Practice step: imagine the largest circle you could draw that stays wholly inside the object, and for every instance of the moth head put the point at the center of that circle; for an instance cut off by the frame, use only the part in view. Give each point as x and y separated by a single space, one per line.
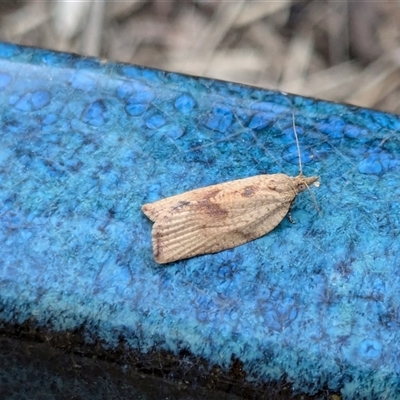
301 183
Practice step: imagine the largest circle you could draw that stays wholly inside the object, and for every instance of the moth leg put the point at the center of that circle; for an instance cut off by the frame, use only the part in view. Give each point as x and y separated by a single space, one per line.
289 214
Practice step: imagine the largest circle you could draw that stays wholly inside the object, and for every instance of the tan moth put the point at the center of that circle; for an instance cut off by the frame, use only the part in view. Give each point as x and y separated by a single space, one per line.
222 216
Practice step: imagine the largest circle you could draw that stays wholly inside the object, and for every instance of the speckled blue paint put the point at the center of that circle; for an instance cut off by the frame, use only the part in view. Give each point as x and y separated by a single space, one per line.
220 119
185 103
31 101
261 120
84 144
83 82
5 79
8 50
95 113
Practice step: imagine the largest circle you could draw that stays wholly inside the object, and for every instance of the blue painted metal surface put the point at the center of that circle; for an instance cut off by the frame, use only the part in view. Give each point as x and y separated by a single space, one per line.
85 143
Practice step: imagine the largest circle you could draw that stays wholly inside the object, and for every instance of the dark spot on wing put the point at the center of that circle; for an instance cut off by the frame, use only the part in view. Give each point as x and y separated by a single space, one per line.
249 191
180 205
210 207
157 248
157 244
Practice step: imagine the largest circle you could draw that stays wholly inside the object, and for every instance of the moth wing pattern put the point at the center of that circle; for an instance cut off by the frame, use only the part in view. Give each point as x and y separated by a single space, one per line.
218 217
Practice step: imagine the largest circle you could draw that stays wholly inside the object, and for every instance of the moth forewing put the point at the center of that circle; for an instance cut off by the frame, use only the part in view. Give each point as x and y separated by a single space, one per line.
219 217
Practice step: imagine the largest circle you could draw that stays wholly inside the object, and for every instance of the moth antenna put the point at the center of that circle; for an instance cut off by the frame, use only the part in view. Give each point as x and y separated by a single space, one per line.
301 167
314 200
297 144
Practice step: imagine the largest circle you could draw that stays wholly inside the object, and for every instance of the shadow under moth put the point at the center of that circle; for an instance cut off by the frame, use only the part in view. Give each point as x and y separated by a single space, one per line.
222 216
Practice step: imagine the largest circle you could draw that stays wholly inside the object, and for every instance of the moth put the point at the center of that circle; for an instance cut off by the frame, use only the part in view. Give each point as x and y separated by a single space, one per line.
222 216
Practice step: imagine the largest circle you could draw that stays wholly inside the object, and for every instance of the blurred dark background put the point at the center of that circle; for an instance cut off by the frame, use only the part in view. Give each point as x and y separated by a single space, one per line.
347 51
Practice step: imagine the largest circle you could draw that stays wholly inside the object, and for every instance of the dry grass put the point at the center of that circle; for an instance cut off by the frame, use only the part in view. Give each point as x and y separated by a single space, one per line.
347 51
